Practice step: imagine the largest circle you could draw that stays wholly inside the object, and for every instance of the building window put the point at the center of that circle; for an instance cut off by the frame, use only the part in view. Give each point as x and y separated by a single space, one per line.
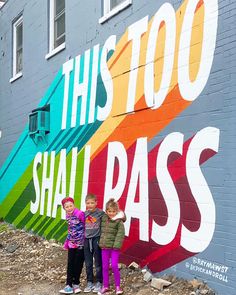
56 26
112 7
17 48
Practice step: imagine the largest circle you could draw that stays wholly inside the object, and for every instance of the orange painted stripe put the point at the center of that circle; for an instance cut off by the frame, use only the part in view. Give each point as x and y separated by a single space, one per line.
127 128
119 55
133 127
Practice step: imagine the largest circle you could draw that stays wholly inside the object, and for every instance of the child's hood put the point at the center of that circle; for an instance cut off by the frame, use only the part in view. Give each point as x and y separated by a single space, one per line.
120 215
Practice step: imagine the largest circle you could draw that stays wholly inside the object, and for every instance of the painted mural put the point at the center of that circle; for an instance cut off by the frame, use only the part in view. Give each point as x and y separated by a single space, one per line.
108 109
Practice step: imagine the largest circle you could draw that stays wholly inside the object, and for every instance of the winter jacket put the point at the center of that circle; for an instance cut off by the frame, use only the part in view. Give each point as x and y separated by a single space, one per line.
112 232
76 229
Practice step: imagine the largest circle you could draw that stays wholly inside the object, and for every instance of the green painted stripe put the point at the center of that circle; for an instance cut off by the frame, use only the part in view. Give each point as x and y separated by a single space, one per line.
62 238
61 231
62 228
35 221
55 228
46 225
38 225
25 220
21 215
17 191
21 203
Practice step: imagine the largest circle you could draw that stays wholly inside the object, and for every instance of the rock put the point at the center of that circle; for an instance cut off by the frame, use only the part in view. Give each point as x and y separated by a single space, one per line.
147 276
55 245
39 268
203 291
195 283
143 292
171 278
63 279
144 270
52 241
133 265
137 285
12 248
159 283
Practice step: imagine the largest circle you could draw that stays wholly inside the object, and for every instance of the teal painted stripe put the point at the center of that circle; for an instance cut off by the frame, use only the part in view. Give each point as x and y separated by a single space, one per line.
14 166
20 203
82 140
13 153
68 137
57 138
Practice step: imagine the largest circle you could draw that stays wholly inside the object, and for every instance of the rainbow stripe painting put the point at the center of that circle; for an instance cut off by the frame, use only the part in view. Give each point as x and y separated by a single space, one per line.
113 132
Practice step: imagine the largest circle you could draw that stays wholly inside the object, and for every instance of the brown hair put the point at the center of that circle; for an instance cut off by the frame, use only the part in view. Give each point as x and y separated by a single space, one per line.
112 204
90 197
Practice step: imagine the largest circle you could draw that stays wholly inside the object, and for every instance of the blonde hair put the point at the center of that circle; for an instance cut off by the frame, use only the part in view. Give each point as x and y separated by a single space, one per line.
90 197
112 204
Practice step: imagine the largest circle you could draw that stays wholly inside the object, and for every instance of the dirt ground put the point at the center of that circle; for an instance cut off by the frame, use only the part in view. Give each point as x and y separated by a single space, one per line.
30 265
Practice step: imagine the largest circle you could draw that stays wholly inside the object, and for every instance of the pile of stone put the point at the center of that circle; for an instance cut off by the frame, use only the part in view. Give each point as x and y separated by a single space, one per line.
35 266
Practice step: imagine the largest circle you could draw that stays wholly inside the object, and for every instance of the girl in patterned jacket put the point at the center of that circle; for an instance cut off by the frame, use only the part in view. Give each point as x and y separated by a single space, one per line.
75 245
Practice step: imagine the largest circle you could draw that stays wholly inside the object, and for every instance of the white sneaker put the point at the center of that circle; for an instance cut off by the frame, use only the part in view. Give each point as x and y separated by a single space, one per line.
76 289
67 290
89 287
97 287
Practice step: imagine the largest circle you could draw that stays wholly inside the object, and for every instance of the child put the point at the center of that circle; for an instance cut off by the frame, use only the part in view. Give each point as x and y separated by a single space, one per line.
75 245
112 236
93 217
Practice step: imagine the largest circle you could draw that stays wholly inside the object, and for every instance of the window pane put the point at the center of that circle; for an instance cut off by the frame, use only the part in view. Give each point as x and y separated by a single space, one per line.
59 6
114 3
60 41
19 36
59 23
19 60
60 30
60 26
19 48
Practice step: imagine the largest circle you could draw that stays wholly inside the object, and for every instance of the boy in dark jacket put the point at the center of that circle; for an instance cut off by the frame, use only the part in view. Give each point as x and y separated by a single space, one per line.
93 217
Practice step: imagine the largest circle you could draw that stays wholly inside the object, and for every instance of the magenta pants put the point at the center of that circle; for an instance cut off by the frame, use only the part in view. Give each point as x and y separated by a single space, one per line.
112 254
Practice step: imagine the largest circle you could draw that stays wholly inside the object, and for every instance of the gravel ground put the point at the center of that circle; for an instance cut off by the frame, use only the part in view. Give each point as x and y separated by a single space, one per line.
30 265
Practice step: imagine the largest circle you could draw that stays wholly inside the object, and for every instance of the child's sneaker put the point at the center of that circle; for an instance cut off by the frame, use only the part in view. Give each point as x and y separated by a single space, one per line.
119 291
103 290
76 289
97 287
67 290
89 287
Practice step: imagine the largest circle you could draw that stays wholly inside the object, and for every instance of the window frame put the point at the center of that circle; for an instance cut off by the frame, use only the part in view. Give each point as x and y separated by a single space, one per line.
108 12
52 50
16 74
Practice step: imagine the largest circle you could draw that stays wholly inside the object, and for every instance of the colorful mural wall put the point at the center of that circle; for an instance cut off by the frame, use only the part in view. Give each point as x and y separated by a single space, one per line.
109 110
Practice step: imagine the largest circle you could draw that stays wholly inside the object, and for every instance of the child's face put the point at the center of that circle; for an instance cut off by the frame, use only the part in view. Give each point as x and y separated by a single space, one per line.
91 204
69 207
111 212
